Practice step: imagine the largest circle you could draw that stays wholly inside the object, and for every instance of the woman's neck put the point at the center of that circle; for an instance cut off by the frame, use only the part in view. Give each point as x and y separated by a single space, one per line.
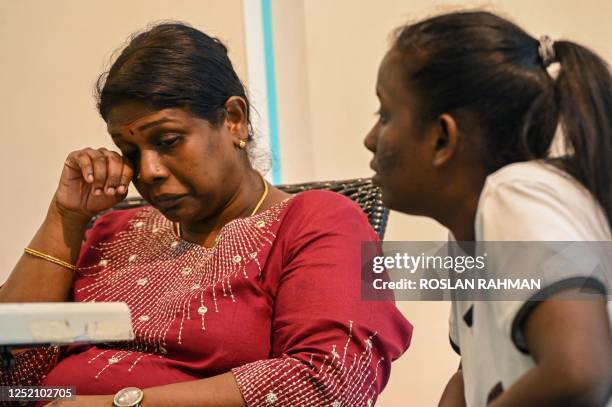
240 205
460 220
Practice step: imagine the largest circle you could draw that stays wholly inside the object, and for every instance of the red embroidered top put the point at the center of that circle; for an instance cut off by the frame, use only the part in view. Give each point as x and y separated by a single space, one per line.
276 301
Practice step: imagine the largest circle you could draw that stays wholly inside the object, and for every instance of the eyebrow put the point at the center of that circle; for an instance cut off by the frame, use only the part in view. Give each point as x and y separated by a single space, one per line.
147 125
154 123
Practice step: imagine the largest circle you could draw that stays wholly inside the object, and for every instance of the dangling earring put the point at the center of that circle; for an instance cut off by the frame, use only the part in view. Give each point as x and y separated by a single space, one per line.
242 144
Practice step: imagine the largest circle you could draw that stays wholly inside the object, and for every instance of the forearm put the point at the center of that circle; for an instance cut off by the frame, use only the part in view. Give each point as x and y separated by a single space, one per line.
217 391
34 279
542 387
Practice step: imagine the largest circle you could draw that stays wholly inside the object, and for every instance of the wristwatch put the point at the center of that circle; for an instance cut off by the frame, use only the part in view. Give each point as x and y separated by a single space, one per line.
128 397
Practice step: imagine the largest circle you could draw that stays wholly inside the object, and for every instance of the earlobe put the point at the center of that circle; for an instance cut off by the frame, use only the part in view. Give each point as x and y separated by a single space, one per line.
447 140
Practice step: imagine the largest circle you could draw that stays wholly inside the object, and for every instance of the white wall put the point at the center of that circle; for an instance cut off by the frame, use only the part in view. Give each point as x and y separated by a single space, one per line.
296 142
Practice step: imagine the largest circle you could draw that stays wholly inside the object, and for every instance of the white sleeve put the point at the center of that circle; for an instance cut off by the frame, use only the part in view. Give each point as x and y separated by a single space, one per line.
534 211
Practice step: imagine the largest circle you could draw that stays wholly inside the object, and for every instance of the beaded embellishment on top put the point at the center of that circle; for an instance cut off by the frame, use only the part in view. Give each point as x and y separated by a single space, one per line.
338 379
163 278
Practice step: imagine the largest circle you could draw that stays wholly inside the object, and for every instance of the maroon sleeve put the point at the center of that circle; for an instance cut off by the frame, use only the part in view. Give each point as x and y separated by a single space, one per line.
328 346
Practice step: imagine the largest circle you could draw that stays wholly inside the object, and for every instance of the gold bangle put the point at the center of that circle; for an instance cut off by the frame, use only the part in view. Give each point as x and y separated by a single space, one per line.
52 259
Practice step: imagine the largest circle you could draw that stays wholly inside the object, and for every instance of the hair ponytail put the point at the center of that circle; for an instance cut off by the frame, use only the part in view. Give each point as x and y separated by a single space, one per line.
583 91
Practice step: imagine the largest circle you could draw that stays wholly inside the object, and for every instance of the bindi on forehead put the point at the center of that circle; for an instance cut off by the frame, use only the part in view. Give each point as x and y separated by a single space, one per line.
140 122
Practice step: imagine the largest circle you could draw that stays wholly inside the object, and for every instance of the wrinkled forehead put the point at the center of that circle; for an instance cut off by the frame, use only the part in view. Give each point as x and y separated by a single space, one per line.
133 117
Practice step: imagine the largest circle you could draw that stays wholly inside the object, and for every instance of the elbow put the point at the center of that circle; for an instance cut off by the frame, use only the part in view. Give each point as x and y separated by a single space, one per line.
586 386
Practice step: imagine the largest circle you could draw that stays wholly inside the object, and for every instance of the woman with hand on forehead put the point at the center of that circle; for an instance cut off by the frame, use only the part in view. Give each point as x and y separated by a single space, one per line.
468 112
239 293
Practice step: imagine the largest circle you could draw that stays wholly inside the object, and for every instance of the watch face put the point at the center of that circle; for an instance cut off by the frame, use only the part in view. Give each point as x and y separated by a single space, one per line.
127 397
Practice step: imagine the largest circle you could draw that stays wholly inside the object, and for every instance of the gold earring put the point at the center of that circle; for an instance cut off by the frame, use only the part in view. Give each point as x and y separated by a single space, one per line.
242 145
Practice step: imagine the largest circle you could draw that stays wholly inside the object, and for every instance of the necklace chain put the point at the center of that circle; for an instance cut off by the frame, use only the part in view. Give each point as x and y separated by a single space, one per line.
177 225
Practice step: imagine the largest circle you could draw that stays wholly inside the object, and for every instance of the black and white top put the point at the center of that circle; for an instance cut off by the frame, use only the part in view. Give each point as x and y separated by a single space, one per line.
528 201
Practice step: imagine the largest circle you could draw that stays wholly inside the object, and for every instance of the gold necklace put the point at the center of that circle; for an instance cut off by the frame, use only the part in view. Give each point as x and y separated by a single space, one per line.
177 225
263 195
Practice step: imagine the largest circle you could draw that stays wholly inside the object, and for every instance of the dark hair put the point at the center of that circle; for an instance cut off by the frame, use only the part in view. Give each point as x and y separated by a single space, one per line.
485 68
172 65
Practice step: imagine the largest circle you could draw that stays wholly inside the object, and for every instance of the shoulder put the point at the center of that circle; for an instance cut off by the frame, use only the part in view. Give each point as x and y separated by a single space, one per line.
113 221
318 199
325 211
536 201
534 172
321 205
106 227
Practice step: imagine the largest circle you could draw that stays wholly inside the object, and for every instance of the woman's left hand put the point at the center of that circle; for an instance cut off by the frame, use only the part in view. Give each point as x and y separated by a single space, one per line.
84 401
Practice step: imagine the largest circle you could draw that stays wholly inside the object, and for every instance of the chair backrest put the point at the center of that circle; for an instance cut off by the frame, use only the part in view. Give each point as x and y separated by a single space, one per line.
359 190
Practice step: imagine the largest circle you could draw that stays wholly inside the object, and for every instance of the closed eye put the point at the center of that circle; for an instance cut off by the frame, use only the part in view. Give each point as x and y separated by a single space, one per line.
130 155
131 158
169 141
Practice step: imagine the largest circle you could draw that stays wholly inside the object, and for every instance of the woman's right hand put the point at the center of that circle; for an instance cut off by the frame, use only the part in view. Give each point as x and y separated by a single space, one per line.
92 181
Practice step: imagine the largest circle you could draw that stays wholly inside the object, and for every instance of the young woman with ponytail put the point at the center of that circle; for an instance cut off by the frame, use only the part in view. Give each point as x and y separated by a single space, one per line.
470 110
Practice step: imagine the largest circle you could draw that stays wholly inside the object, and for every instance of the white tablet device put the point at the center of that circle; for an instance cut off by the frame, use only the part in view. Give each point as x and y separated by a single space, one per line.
61 323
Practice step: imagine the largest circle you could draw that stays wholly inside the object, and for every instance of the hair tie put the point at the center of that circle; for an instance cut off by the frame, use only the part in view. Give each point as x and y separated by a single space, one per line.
546 50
